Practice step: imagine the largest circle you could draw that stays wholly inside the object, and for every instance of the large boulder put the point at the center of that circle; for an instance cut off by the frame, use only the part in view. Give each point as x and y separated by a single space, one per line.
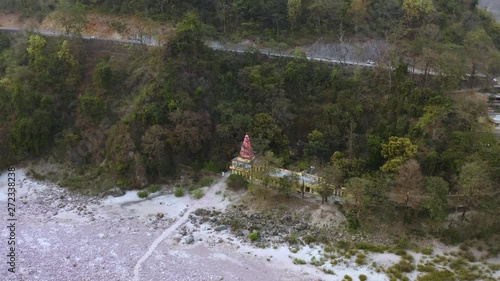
115 192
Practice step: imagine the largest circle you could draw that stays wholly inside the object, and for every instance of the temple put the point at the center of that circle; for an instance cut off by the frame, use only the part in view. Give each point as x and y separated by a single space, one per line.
245 162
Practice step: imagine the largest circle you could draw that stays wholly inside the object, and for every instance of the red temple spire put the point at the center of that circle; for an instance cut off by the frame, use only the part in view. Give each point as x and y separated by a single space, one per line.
246 148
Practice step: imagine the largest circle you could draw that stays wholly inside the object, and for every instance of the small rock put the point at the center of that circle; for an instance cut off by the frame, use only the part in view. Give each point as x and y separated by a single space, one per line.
220 228
189 239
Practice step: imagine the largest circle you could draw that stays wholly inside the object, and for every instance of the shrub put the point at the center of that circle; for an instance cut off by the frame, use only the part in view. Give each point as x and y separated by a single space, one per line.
308 239
143 194
328 249
211 167
253 236
370 247
404 266
198 193
206 181
299 261
444 275
347 278
194 187
362 277
427 250
328 271
179 191
292 238
154 188
360 259
235 181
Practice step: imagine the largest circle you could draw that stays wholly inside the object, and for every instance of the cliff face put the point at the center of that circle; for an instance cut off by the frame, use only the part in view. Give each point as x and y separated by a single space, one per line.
492 6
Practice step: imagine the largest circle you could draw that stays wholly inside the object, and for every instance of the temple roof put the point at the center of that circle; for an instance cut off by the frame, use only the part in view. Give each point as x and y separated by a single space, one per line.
246 151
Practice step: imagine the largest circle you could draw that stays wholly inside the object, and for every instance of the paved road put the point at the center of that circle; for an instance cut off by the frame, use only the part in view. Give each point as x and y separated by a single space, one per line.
215 45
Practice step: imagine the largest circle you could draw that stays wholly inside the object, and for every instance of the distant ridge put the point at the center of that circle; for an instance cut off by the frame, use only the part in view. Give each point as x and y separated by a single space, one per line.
492 6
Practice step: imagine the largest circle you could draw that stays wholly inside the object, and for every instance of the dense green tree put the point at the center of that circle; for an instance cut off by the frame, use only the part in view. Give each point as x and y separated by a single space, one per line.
266 134
103 74
294 9
288 184
437 197
316 145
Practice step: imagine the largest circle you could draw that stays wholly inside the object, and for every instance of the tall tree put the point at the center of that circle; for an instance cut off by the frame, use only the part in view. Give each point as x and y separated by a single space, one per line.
474 185
409 183
316 145
437 197
356 189
71 17
294 10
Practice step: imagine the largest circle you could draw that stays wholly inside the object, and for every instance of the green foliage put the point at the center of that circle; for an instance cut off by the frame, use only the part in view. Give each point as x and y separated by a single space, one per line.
437 203
370 247
443 275
292 238
143 194
179 191
253 236
197 193
362 277
31 134
299 261
396 151
288 184
103 75
211 167
91 106
154 188
235 181
360 259
316 145
347 278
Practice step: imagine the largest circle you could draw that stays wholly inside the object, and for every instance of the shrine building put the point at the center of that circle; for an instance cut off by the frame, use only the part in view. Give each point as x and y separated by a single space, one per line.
246 162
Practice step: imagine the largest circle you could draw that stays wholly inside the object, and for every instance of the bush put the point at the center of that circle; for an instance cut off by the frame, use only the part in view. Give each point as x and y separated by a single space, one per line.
198 193
308 239
235 181
444 275
347 278
360 259
299 261
143 194
328 249
370 247
179 192
253 236
405 266
292 238
154 188
211 167
362 277
206 181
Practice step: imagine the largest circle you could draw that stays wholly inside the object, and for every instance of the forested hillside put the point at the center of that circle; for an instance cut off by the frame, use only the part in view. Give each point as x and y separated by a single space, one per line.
392 138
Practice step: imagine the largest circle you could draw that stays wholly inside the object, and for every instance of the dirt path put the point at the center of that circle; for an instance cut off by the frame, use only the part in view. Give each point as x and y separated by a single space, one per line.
204 202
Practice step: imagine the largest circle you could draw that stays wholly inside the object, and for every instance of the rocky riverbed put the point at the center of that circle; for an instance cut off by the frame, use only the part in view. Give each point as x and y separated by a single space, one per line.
61 235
